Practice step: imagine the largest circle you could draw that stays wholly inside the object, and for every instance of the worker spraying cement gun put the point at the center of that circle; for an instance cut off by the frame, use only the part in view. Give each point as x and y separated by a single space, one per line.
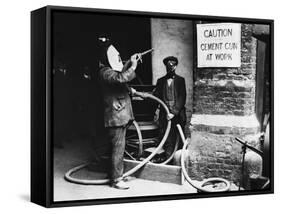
118 113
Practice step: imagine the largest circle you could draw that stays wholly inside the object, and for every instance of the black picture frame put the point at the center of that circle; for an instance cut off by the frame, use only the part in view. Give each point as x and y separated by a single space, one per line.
41 105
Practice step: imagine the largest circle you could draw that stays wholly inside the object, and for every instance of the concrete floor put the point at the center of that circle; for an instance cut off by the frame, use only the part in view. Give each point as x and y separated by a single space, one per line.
76 152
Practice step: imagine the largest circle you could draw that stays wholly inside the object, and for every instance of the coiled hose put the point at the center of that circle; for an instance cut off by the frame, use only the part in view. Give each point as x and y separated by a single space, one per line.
140 140
205 182
68 174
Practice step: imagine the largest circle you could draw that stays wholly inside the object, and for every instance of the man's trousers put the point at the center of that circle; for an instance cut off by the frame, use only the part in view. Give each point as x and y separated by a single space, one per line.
116 138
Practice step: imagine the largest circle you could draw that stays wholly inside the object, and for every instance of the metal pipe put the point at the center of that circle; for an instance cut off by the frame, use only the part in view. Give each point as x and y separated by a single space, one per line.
249 147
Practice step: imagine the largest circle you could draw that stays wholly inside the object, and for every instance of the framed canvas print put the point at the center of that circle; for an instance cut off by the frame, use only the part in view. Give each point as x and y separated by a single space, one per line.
138 106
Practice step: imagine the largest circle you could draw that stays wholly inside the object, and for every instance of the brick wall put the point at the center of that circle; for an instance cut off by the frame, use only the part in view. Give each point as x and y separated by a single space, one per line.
214 156
228 91
224 108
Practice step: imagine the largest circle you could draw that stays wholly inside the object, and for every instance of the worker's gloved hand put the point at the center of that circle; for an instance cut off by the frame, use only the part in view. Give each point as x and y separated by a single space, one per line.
133 91
170 116
139 57
134 60
143 95
156 115
136 93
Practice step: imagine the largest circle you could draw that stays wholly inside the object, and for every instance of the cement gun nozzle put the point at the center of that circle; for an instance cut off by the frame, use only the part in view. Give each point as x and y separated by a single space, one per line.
143 53
146 52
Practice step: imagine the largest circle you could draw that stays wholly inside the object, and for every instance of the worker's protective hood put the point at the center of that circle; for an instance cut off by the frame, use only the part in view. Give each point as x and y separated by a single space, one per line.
114 58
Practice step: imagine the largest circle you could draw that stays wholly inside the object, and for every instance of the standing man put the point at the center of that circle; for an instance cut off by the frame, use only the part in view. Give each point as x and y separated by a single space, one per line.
171 90
118 114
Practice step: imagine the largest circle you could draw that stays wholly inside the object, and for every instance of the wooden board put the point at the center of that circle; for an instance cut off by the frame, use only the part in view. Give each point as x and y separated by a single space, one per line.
156 172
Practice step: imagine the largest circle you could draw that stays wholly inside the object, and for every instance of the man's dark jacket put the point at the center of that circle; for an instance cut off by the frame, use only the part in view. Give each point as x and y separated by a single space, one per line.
116 95
180 97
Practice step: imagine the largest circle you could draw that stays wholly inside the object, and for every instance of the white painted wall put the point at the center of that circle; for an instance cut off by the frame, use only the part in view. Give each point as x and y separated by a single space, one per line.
172 37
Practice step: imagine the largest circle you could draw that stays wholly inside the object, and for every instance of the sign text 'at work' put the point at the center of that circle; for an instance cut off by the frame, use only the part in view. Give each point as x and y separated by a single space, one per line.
219 45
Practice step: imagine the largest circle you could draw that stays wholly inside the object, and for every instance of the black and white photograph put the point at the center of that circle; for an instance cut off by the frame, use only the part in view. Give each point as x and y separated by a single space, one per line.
151 106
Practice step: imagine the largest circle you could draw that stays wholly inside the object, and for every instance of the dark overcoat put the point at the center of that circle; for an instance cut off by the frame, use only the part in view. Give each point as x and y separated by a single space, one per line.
116 95
180 97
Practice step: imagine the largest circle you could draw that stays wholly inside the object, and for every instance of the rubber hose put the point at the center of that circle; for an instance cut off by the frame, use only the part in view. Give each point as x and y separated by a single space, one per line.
189 180
141 145
68 177
172 155
140 138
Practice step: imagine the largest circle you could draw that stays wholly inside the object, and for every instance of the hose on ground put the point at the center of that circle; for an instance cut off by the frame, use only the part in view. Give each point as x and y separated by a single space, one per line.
172 155
68 174
205 182
141 146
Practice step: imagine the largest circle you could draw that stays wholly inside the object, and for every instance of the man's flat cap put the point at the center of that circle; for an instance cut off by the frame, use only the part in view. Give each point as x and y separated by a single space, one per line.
170 58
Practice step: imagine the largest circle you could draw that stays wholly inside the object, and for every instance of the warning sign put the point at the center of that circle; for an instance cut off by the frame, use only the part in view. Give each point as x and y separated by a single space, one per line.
219 45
